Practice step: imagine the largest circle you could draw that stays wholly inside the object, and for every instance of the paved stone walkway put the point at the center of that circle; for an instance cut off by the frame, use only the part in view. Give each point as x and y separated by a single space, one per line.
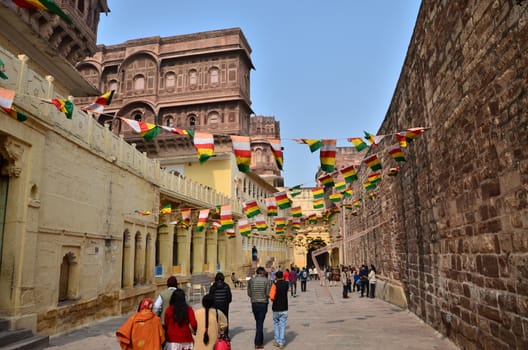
314 323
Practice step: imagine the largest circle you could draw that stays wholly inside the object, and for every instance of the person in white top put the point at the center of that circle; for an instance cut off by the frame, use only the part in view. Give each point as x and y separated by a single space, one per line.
372 281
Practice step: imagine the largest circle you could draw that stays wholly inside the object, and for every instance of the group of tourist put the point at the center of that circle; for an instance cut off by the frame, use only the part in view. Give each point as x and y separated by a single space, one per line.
361 280
170 323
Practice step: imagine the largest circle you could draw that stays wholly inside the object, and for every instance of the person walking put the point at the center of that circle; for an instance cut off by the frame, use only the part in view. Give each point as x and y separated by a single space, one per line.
222 296
372 281
303 277
292 277
258 290
211 323
180 323
162 301
142 330
279 297
355 287
363 277
343 278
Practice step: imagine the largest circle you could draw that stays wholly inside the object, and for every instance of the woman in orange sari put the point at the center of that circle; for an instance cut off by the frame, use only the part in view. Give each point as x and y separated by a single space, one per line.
142 330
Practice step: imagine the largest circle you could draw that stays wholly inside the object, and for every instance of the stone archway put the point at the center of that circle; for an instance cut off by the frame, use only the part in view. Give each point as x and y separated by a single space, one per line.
323 259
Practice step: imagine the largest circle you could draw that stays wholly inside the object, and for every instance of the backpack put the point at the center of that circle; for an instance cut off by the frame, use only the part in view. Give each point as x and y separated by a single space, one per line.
304 274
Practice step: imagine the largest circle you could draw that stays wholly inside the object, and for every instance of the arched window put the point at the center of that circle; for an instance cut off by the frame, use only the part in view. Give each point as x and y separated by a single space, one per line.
170 80
68 276
138 117
139 83
193 77
192 120
169 121
213 76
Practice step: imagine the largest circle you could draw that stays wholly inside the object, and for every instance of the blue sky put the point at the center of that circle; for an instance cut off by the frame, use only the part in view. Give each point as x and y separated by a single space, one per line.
324 69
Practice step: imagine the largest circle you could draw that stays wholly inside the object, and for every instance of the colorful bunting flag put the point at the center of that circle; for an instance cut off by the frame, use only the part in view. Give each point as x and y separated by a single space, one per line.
204 144
216 226
326 180
410 134
230 233
312 218
271 206
347 193
226 217
373 196
178 131
6 98
282 199
349 174
296 212
318 192
373 139
277 152
295 194
147 130
394 171
261 223
97 107
47 5
328 155
356 203
397 154
374 177
402 140
166 209
313 144
369 185
335 197
202 219
242 151
251 208
340 186
318 204
280 222
373 162
2 70
21 117
62 105
243 227
186 218
358 143
143 213
296 224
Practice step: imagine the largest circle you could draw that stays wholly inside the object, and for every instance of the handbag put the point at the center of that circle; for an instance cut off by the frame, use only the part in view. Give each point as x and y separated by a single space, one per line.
222 343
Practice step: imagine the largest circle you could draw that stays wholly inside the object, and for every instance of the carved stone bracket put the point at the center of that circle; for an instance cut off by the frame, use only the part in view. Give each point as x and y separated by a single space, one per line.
12 151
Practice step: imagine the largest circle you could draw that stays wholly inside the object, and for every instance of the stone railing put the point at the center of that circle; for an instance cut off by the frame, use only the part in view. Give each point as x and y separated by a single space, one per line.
84 130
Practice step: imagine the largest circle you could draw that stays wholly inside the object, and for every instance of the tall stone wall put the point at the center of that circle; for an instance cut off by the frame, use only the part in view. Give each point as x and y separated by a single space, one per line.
451 230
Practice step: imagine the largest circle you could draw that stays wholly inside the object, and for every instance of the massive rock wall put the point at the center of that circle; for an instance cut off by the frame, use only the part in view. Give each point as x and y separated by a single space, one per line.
451 230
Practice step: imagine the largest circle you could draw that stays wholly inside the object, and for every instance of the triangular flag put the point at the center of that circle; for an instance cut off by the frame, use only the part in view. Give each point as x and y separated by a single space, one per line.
47 5
204 144
146 130
6 98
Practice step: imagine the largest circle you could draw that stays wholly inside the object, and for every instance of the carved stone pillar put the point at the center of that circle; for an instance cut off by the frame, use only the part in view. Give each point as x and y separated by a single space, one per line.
184 249
198 247
211 240
222 251
166 239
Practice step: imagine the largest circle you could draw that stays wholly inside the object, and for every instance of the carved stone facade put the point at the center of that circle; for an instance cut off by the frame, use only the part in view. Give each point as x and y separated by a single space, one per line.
197 81
262 160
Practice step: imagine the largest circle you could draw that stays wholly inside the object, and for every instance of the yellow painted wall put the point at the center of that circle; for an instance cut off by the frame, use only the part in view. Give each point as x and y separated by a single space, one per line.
216 173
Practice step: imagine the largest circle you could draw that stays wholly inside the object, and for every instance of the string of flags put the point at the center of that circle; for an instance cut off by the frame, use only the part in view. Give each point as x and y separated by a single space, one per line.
47 5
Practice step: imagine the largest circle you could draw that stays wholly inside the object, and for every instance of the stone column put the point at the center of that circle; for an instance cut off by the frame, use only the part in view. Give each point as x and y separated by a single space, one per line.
166 239
184 249
211 240
222 251
198 247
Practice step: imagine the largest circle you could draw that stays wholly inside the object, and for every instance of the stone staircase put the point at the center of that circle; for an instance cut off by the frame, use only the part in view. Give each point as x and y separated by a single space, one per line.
21 339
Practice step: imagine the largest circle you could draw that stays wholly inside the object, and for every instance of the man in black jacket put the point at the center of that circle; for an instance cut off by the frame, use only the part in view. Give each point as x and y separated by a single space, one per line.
222 296
279 297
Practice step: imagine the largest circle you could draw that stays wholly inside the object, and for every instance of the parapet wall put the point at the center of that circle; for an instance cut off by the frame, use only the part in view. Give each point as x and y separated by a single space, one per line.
450 229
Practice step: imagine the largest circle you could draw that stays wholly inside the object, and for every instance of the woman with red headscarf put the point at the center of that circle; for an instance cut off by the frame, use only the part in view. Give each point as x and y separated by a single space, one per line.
142 330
